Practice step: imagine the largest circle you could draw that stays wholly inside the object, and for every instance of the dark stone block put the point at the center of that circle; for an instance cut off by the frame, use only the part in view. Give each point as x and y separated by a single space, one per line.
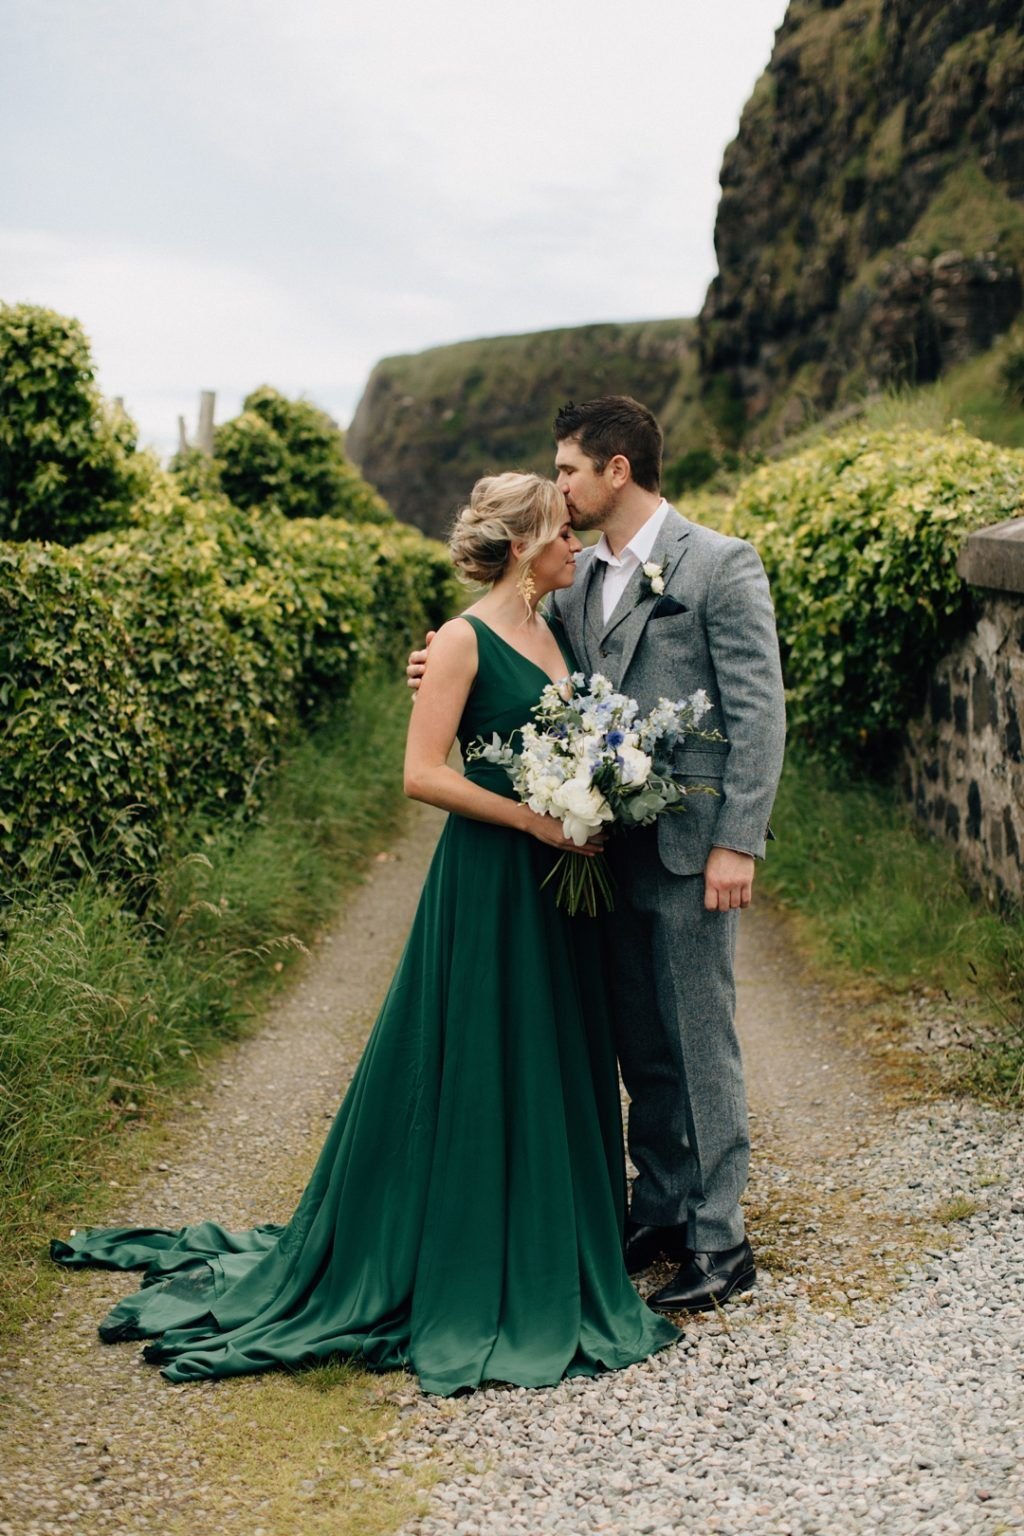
938 808
952 822
1013 742
1010 833
940 699
984 703
973 811
995 838
960 714
931 769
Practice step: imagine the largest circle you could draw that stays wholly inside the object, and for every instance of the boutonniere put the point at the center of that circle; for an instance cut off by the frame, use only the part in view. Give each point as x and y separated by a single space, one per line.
654 578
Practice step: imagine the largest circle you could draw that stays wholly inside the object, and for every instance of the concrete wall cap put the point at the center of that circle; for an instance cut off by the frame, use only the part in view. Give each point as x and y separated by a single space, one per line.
994 557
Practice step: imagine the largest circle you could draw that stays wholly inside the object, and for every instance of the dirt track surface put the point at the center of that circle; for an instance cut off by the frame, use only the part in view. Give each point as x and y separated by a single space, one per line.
842 1208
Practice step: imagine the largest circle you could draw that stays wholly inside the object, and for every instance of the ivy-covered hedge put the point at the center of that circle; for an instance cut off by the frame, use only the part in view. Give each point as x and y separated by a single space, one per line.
68 465
153 672
283 454
859 535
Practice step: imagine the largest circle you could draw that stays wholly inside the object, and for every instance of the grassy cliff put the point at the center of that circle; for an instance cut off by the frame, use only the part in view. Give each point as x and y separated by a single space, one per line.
428 425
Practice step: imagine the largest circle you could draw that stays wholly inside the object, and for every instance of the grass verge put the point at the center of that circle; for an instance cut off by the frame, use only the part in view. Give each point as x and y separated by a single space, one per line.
320 1454
104 1013
876 898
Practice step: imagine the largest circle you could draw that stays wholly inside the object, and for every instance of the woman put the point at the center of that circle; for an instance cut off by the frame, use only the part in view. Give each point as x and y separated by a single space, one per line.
465 1215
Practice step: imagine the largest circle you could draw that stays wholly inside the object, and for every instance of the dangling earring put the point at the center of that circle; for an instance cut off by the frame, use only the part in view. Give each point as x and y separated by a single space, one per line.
526 586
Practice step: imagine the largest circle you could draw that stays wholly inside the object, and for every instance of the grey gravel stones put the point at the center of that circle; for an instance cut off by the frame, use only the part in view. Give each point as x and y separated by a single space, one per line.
783 1416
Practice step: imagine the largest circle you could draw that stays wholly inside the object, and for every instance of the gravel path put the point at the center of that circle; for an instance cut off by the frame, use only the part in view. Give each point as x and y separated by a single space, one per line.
871 1383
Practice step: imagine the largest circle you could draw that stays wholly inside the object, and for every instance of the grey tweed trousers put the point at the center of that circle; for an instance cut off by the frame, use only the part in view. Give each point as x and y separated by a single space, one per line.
673 991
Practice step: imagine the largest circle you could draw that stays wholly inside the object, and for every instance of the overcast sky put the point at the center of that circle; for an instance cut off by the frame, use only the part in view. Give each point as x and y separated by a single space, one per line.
245 191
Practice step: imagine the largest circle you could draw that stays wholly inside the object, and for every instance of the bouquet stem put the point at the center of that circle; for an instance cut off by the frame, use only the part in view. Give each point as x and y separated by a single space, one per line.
584 881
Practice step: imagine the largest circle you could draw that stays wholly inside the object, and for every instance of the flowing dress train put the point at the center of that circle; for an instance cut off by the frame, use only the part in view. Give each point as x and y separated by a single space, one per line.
464 1219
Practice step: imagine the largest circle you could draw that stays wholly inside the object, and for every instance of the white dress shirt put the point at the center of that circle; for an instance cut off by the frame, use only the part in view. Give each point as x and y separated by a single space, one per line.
618 569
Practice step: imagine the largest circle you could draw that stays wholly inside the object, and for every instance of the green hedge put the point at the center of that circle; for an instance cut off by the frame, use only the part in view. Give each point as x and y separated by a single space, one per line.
859 536
155 672
68 466
283 454
82 762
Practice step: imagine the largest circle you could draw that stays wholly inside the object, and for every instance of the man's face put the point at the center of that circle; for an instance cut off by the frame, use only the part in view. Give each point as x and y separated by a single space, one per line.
589 496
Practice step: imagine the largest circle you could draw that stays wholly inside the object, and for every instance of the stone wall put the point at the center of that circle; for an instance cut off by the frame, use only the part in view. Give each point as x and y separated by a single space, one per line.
963 769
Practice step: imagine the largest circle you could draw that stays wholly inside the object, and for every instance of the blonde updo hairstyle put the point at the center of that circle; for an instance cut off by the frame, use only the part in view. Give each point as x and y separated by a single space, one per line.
505 509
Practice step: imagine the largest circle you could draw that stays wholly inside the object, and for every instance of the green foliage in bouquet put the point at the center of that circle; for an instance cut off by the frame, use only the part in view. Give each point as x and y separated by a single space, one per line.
860 535
68 466
289 455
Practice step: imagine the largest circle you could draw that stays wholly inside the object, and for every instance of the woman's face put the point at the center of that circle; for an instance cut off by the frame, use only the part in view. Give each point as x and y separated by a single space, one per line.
555 566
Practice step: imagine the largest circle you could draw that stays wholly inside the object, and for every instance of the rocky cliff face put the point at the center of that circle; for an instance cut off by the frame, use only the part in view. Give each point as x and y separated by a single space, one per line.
870 233
428 425
871 224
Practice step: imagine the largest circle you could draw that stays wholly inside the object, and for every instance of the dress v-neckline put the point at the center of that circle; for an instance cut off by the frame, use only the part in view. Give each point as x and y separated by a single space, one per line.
475 619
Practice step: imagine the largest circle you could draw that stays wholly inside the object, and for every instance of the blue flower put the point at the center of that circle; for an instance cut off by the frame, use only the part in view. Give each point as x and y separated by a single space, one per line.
615 738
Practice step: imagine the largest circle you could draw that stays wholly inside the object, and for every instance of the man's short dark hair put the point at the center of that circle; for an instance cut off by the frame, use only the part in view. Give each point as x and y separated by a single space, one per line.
615 424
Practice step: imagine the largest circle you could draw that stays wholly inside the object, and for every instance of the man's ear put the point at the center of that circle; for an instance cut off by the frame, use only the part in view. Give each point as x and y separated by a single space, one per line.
619 470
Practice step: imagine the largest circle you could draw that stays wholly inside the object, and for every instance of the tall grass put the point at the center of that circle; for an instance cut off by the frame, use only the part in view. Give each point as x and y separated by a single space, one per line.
876 897
103 1011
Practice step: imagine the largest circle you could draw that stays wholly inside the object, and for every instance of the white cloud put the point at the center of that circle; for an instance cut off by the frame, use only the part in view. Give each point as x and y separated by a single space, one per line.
235 192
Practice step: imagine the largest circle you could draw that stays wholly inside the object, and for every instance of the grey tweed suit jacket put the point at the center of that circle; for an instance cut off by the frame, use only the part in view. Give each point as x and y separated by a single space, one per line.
712 628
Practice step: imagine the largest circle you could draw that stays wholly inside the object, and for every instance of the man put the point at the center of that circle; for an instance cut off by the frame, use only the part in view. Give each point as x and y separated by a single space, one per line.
662 607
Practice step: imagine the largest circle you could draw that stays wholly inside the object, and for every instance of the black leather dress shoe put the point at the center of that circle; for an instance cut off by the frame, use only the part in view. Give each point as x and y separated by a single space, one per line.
706 1280
644 1245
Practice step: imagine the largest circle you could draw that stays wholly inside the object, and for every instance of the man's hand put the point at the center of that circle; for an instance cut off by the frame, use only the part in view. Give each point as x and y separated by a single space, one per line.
728 879
417 663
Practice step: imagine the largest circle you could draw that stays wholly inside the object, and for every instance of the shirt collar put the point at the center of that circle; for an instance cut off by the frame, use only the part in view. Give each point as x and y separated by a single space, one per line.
640 545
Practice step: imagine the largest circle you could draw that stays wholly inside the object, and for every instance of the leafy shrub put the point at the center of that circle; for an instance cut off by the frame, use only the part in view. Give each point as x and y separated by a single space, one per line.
157 671
215 652
195 474
289 455
1012 373
689 471
859 536
67 466
81 760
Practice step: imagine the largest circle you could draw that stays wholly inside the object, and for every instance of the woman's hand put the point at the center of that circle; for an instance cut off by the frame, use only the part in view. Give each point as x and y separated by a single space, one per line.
548 829
417 664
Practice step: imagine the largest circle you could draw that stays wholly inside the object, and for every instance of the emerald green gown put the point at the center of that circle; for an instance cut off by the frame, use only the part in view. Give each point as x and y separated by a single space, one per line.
464 1219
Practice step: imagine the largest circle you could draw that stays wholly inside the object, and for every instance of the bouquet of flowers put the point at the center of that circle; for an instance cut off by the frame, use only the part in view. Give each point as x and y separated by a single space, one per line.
588 759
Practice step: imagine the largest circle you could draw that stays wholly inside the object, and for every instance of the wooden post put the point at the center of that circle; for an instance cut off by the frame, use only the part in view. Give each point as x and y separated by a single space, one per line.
204 436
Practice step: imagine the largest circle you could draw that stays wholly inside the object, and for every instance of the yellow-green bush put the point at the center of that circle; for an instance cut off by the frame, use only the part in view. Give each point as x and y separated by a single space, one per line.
68 466
155 671
82 759
285 455
859 535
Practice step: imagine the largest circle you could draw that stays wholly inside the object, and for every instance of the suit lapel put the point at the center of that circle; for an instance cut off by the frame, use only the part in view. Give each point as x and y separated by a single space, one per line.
574 607
669 548
627 602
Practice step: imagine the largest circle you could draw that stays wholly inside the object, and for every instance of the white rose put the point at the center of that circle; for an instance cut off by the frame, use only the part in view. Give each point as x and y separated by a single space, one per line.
657 585
636 765
581 809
